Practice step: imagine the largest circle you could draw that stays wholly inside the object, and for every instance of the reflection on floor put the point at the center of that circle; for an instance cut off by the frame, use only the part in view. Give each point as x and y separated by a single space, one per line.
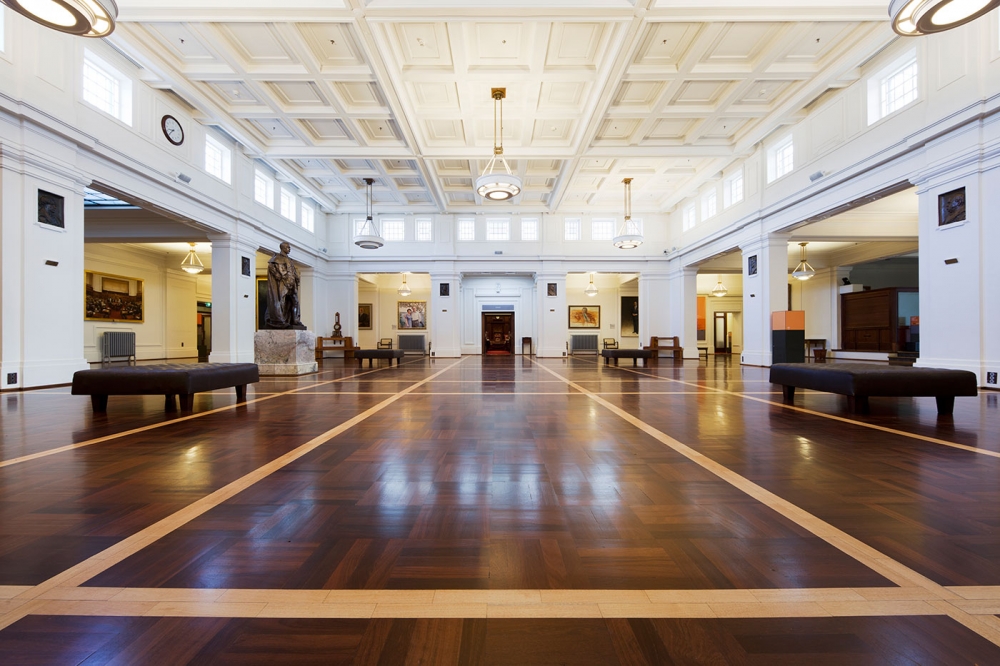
500 510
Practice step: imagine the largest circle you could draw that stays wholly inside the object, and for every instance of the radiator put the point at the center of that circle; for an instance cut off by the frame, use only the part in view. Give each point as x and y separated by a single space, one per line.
411 344
117 344
586 344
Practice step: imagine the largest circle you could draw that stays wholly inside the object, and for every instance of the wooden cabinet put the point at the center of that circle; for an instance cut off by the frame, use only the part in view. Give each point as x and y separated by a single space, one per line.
344 345
869 319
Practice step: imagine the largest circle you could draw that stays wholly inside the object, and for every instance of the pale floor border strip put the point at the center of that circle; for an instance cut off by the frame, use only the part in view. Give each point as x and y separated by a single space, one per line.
875 560
833 417
179 419
84 571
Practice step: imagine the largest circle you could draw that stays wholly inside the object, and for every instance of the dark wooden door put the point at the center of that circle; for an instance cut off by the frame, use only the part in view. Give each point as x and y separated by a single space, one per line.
498 333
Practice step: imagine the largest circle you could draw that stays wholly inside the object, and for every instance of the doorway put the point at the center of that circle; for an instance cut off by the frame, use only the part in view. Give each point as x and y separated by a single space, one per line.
723 324
498 333
204 331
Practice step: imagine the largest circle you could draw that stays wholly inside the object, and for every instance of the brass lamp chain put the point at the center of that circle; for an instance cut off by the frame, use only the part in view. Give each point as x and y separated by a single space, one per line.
628 199
497 143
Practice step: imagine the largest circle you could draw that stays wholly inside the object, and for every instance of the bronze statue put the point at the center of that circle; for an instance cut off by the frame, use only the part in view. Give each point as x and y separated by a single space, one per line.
282 292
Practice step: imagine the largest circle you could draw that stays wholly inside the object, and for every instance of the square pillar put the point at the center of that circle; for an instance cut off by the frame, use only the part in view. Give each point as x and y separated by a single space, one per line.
684 309
765 289
654 306
553 317
234 300
445 333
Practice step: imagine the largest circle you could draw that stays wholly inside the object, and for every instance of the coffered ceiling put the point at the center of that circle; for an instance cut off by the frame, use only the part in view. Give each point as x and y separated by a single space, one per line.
669 93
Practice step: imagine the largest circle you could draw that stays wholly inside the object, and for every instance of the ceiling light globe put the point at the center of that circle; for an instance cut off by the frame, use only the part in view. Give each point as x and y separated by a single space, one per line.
911 18
803 271
498 186
86 18
627 241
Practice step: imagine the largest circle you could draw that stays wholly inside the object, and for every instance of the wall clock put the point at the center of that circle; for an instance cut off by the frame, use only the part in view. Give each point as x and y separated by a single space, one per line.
172 130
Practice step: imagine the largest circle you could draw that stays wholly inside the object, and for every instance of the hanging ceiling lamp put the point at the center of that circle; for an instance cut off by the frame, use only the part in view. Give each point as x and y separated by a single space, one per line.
192 264
368 237
404 290
628 237
911 18
498 186
803 271
591 290
86 18
720 289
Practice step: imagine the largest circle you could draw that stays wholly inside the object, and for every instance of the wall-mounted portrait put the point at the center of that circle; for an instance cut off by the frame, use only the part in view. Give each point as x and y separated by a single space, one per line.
364 316
585 316
412 315
630 317
552 289
112 297
752 264
51 209
951 207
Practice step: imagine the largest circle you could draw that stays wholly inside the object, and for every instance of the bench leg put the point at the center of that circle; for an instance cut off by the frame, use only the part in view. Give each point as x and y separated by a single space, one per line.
788 394
187 401
946 404
99 403
169 405
635 361
616 361
241 393
858 404
370 362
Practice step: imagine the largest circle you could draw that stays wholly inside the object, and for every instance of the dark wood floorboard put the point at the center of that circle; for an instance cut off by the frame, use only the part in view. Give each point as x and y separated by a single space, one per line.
93 641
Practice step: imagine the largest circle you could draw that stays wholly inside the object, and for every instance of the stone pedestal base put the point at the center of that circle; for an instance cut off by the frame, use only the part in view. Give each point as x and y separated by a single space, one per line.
285 352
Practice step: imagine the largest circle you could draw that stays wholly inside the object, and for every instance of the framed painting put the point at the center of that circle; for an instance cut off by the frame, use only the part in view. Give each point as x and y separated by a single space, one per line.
951 207
112 297
585 316
412 315
630 317
364 316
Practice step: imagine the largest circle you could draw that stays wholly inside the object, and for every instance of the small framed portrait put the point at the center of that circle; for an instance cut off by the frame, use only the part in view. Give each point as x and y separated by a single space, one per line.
112 297
412 315
585 316
752 264
951 207
245 266
50 209
552 289
364 316
445 289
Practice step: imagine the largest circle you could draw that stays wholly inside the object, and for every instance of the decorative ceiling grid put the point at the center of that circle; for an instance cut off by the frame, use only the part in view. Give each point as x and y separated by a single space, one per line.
590 99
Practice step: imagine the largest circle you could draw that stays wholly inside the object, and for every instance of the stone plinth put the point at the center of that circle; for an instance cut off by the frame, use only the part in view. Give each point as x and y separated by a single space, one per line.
285 352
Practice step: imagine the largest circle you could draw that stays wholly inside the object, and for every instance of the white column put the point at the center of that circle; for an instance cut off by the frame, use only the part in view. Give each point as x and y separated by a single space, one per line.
654 306
41 274
684 309
553 327
234 299
444 315
763 292
340 295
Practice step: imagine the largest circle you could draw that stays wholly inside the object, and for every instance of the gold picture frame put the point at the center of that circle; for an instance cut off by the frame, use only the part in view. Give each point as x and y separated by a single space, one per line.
585 316
110 297
411 315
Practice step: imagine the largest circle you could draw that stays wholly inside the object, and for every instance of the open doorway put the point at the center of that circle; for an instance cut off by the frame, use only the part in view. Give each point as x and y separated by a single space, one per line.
498 333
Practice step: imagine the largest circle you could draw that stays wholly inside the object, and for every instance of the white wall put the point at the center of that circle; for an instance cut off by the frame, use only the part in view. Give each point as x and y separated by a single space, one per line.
517 291
170 296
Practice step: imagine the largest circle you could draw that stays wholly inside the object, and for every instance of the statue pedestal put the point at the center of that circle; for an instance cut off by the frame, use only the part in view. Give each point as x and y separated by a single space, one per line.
285 352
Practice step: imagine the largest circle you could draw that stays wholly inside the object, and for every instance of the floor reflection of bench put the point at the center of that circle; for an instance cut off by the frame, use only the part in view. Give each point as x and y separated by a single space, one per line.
168 380
362 354
860 381
646 354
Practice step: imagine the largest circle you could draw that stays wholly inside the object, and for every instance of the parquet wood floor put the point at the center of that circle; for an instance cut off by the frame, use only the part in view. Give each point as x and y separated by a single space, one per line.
500 510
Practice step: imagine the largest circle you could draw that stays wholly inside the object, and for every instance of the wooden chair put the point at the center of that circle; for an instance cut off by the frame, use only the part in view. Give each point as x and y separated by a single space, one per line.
672 344
610 343
385 343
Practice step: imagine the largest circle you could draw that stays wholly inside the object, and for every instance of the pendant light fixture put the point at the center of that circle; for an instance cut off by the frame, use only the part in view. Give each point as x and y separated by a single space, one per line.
498 186
911 18
803 271
628 237
720 289
591 290
368 237
192 264
404 290
85 18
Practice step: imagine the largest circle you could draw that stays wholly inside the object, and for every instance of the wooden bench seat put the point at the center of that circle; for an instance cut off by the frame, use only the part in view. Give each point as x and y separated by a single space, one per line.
672 344
859 381
169 380
362 354
647 355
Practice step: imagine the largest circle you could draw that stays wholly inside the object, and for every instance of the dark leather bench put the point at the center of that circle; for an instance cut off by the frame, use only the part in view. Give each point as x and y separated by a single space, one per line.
362 354
860 381
172 379
648 355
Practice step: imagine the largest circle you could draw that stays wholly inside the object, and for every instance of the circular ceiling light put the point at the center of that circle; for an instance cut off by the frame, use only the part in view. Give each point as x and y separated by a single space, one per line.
591 290
720 289
803 271
368 237
404 289
911 18
86 18
498 186
628 237
192 263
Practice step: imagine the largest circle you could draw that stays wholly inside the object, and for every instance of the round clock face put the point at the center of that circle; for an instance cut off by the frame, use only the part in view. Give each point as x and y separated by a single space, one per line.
172 130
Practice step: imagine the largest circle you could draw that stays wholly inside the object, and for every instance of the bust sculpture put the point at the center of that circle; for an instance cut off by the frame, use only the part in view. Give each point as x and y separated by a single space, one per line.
282 292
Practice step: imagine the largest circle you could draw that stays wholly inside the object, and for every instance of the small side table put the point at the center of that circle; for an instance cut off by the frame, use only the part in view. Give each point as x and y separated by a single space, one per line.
526 342
816 347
